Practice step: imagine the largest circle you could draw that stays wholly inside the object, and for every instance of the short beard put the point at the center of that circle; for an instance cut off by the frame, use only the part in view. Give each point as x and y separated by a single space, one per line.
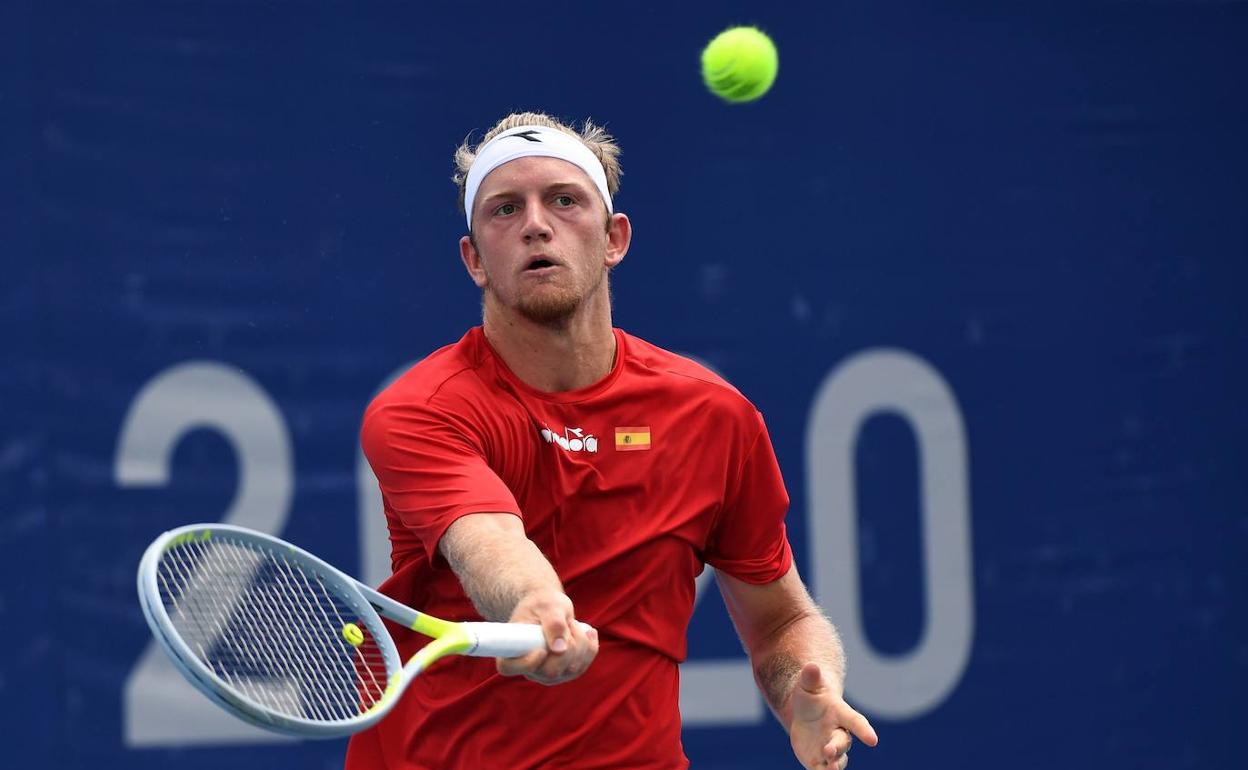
549 309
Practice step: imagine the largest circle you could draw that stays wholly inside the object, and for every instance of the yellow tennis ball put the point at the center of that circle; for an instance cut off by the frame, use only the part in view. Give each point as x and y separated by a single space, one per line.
740 64
352 633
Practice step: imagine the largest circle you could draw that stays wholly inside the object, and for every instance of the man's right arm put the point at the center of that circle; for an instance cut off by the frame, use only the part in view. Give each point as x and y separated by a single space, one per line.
508 579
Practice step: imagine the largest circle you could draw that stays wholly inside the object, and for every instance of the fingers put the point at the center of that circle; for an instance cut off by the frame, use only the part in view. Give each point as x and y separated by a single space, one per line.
810 703
839 745
831 754
834 753
857 724
840 763
824 726
555 628
581 650
570 647
811 679
550 667
522 665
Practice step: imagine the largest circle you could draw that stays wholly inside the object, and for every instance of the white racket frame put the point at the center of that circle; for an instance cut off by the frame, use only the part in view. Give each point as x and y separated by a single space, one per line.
477 639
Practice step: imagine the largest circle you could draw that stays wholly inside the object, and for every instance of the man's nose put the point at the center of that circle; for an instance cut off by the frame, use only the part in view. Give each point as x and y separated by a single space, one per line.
536 223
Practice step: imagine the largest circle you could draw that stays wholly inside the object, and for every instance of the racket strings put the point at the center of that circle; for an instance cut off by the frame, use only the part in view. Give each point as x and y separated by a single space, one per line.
370 689
314 617
270 629
202 617
303 634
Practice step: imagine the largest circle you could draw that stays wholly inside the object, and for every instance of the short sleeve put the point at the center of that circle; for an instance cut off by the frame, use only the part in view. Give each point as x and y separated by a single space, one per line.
431 471
749 540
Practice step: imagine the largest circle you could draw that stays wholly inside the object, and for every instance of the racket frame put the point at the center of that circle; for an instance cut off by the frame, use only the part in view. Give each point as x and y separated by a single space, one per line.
477 639
199 674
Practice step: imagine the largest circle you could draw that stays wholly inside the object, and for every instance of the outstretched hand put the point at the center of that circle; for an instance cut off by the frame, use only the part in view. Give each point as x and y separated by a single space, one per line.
824 725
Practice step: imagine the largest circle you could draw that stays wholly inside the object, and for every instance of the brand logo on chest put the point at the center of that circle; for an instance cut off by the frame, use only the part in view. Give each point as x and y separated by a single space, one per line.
572 440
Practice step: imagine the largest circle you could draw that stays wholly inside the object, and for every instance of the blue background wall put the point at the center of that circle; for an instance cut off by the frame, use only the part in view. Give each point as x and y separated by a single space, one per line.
1041 206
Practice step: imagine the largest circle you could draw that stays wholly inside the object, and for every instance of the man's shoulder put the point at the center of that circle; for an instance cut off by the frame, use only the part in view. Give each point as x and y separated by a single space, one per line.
445 376
684 373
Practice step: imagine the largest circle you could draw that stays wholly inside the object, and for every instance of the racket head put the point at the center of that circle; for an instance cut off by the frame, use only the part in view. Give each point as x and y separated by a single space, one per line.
261 627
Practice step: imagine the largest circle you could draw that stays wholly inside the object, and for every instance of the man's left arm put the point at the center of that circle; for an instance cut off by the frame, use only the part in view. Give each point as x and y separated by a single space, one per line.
799 666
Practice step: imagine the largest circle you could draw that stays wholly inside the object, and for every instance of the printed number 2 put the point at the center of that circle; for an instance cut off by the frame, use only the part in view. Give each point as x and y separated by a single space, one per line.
160 707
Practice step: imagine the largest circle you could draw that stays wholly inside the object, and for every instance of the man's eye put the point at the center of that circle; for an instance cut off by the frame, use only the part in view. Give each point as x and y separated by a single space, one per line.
564 200
505 209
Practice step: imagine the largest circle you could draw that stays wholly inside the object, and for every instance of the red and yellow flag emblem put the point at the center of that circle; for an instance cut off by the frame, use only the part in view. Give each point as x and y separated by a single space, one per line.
632 439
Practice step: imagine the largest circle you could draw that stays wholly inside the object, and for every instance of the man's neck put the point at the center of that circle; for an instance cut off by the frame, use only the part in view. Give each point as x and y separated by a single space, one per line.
553 358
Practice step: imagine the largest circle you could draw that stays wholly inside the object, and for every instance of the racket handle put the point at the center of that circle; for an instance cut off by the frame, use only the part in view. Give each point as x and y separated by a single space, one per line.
506 640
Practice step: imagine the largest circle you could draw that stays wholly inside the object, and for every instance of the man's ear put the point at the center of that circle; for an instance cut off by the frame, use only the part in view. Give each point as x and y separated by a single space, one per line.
619 236
472 261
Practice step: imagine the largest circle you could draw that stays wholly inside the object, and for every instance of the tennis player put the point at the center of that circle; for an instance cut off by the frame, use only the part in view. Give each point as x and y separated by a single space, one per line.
549 468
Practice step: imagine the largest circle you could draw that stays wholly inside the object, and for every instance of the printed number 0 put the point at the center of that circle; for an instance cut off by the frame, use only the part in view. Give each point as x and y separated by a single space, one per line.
894 381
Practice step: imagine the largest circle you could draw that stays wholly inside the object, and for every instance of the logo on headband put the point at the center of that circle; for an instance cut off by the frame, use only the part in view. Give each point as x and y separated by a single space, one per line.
528 136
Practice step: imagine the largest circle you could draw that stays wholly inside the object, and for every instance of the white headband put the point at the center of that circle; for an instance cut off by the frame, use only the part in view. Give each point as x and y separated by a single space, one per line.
524 141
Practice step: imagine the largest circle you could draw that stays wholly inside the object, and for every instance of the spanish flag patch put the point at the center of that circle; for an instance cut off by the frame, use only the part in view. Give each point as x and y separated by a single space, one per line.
632 439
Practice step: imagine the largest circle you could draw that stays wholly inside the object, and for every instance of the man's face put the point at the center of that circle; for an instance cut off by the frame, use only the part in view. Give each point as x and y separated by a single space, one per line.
541 243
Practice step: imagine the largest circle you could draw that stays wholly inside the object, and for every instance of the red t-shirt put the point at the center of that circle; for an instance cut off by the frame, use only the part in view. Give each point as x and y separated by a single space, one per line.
627 486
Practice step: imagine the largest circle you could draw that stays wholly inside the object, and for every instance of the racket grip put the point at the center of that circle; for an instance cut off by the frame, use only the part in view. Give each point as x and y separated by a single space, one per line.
506 640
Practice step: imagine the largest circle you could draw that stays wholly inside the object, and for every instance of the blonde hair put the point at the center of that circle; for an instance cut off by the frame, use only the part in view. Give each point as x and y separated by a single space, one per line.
595 137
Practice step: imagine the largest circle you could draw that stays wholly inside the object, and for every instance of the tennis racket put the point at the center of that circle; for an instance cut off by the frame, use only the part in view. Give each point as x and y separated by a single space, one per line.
286 642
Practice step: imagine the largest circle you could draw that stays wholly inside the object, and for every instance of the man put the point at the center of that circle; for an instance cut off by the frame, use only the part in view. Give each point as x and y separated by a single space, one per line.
551 469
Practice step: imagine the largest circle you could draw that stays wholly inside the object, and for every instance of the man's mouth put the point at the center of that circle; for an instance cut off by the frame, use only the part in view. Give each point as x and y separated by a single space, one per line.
539 263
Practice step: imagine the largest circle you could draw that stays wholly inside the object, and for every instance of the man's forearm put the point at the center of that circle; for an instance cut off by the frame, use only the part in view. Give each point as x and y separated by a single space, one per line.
799 665
496 563
778 658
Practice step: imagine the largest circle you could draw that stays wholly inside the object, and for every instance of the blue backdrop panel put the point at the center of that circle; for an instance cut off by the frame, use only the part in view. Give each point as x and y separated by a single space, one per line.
980 265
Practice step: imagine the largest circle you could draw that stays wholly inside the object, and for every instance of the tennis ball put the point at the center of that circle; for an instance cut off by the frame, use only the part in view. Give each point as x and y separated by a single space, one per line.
352 633
740 64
